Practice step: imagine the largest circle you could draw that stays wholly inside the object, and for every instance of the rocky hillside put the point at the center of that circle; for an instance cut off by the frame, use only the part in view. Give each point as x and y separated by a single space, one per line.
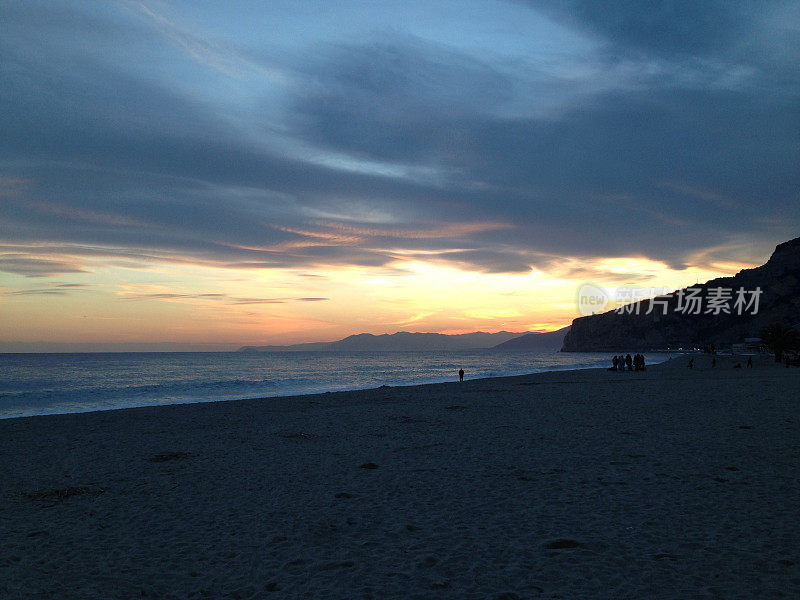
550 341
779 302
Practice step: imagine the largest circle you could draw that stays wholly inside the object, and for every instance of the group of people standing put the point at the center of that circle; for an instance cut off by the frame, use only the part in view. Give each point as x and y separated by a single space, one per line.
633 363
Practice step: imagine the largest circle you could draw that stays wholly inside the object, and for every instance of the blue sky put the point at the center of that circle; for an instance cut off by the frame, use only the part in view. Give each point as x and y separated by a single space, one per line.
489 137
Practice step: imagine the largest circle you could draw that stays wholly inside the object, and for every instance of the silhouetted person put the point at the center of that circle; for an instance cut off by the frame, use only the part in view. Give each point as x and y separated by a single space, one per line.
691 363
749 361
629 362
461 374
615 362
641 362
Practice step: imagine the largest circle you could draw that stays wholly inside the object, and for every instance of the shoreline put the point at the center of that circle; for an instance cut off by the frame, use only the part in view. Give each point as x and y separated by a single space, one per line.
306 396
423 382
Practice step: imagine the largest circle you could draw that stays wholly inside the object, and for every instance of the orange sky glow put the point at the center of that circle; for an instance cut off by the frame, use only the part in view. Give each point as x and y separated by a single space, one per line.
199 306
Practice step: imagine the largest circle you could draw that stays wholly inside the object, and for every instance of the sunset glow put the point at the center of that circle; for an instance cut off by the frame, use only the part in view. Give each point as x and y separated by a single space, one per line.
200 306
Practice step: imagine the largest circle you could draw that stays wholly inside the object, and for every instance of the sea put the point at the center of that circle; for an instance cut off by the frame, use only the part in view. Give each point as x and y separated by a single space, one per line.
41 384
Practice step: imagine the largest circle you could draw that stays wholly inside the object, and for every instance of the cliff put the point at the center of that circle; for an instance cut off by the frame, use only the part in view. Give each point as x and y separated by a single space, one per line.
779 302
549 341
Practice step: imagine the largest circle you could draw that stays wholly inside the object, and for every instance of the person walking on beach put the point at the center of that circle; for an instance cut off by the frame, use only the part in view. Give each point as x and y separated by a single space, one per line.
691 363
615 362
749 362
461 374
629 362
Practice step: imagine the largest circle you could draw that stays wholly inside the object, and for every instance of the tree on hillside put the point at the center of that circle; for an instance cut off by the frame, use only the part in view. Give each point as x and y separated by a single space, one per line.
780 338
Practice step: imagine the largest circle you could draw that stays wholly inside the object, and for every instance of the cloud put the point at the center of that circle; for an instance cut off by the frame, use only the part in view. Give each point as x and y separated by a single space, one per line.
130 294
56 289
36 267
483 260
413 319
658 143
397 87
666 28
36 292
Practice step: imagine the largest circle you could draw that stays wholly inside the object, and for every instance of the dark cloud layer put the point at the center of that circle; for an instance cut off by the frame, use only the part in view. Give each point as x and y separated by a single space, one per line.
683 138
36 267
677 27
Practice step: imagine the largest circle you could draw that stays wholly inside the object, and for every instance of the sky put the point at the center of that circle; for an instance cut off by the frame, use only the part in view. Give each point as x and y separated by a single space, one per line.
204 175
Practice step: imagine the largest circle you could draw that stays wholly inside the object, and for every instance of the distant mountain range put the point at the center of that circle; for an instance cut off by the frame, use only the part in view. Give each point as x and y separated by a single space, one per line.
404 341
779 302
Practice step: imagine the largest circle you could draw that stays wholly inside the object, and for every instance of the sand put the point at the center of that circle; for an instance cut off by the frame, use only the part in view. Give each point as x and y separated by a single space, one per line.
673 483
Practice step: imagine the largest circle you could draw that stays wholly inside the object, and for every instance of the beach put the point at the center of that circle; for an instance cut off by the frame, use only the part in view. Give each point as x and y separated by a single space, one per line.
669 483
